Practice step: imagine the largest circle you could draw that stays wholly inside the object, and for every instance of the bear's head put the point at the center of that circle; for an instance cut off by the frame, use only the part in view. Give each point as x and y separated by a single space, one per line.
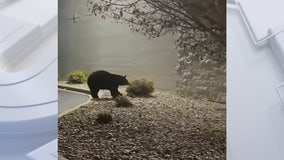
123 80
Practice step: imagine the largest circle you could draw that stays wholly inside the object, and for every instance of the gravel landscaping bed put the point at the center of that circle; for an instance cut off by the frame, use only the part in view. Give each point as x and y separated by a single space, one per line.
164 126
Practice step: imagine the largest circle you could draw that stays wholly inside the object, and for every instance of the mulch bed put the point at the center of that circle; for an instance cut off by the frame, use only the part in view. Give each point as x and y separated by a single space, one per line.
164 126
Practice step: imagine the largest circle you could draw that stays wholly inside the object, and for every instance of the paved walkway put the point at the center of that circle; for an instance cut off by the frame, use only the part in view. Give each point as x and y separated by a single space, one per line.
70 99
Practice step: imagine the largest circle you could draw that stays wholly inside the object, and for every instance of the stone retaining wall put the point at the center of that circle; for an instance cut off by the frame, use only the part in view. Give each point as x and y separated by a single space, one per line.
202 75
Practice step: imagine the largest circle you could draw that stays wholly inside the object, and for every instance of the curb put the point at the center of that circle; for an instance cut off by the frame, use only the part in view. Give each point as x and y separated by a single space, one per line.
61 86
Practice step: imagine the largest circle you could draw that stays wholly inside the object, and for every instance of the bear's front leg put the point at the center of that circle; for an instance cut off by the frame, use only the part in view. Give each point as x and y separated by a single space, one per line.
115 93
94 92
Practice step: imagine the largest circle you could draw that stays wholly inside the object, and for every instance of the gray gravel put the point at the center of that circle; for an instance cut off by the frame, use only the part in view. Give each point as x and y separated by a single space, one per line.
162 127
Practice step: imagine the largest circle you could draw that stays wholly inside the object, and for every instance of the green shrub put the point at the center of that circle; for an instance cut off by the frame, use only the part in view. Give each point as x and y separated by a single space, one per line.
76 77
122 101
104 118
140 87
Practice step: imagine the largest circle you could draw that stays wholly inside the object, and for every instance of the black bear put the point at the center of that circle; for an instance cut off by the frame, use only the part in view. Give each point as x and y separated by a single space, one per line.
105 80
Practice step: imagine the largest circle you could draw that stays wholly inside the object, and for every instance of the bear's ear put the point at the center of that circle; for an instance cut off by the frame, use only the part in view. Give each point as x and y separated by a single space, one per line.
124 76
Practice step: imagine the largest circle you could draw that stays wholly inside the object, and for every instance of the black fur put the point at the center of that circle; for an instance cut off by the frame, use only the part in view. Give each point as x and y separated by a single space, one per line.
105 80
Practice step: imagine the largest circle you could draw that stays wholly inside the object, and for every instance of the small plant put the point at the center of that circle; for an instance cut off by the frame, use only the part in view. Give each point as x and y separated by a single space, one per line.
76 77
140 87
104 118
122 101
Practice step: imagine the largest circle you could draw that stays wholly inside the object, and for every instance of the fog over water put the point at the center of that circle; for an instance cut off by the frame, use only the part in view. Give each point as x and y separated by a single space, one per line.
95 44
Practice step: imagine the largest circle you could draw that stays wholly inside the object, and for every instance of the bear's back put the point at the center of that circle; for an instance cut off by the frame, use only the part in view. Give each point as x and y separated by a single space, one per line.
100 76
102 79
100 73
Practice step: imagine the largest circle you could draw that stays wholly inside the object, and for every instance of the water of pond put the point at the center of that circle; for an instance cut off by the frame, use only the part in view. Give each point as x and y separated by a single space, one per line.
93 44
